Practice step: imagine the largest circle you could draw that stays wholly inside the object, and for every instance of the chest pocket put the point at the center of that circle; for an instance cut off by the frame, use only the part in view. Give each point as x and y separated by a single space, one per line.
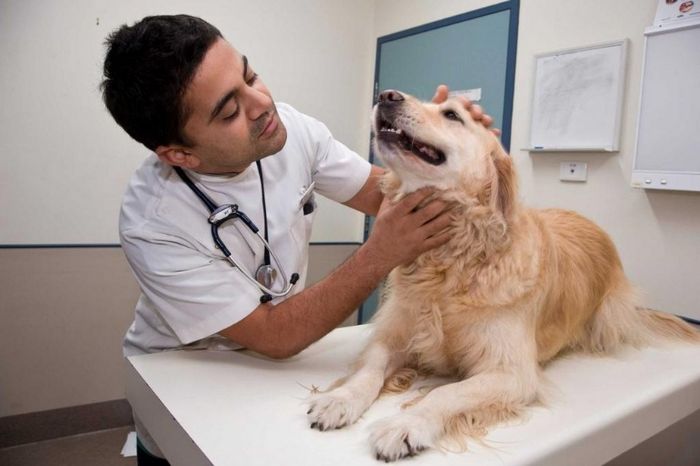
307 207
304 219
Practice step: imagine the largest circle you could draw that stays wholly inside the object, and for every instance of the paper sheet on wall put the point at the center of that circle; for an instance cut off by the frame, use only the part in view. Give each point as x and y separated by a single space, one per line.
472 94
670 12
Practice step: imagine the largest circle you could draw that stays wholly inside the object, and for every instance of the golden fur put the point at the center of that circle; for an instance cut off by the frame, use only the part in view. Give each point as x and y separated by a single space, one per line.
513 288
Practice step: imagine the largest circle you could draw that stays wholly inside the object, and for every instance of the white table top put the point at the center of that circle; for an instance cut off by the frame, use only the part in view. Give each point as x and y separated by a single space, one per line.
237 408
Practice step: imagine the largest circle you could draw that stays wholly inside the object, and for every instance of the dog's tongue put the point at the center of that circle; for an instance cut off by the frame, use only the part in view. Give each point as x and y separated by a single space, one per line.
419 148
426 150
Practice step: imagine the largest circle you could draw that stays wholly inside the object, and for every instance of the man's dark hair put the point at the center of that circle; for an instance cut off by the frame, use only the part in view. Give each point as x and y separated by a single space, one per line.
147 69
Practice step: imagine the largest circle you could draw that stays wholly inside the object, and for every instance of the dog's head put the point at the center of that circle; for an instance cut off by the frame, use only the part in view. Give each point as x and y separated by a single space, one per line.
440 145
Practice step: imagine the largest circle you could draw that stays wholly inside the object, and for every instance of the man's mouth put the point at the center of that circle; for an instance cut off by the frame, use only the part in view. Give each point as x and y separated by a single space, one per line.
269 126
390 134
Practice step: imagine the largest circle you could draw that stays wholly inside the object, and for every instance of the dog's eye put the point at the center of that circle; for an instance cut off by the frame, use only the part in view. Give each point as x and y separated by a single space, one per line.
452 115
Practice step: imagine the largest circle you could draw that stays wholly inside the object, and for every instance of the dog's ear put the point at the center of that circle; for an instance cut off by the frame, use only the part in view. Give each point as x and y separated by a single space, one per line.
506 181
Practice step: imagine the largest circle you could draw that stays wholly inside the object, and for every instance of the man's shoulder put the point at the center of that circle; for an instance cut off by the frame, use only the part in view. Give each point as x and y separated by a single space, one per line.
285 109
294 118
143 194
303 131
151 169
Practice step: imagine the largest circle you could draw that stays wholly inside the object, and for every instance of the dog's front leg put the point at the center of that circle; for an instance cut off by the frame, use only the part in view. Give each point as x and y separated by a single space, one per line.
484 396
344 404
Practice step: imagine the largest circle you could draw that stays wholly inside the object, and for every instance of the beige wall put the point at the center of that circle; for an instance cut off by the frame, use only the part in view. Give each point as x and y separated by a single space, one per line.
657 233
64 314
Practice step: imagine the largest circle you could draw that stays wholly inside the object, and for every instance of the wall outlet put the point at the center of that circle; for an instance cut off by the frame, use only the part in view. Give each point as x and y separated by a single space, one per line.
573 171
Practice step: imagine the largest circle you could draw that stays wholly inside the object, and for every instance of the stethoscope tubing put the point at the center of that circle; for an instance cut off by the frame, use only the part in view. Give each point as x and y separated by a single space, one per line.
219 215
290 283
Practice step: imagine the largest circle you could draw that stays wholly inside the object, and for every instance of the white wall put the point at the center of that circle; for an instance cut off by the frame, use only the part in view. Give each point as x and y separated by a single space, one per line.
65 163
657 233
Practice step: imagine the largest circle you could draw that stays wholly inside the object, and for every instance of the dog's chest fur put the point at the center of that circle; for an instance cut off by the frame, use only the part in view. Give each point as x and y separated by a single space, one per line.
450 295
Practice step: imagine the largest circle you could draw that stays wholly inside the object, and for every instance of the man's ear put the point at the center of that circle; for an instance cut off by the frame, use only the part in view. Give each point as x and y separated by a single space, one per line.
177 156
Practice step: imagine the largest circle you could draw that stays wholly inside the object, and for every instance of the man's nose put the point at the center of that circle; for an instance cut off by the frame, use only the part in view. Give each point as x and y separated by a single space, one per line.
391 95
257 103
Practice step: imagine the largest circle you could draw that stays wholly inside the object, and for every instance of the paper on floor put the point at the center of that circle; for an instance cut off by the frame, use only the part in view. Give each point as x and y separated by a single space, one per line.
129 448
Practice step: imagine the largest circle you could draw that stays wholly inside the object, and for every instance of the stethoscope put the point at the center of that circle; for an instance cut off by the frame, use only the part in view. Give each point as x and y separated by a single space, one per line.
266 274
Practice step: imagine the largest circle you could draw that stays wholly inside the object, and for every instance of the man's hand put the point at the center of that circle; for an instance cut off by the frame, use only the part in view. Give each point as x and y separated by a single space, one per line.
475 110
402 231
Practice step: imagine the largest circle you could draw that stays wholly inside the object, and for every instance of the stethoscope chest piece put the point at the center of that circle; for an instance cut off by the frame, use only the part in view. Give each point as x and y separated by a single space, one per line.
266 275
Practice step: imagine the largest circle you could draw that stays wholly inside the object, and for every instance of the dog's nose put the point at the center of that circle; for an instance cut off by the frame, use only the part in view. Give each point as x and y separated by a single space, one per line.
390 96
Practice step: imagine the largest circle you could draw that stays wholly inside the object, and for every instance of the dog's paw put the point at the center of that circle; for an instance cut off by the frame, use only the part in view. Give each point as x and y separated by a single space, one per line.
335 409
401 435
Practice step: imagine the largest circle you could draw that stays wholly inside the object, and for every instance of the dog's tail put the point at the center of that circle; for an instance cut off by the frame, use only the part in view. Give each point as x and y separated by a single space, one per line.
622 320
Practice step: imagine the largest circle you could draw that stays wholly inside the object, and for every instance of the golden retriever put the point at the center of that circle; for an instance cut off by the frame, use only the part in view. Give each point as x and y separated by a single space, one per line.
511 289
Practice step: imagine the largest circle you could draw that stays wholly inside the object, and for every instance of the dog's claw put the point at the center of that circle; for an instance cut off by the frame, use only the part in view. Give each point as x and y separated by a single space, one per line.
314 425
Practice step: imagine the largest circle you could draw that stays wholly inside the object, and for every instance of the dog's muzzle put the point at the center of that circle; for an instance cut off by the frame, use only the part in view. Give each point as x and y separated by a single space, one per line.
388 115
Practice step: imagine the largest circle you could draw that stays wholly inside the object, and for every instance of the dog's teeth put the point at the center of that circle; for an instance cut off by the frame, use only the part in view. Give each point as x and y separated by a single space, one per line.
390 130
428 152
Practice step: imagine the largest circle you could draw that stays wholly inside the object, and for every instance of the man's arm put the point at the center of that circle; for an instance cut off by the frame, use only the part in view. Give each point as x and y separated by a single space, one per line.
400 234
369 197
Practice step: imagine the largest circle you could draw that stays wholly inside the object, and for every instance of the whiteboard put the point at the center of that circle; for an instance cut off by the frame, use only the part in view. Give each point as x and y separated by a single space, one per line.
577 98
667 154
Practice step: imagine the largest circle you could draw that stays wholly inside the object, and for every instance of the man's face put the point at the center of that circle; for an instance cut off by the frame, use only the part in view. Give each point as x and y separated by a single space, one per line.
232 119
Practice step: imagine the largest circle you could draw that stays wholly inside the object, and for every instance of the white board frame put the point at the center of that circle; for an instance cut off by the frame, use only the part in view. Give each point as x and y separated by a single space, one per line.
615 105
660 179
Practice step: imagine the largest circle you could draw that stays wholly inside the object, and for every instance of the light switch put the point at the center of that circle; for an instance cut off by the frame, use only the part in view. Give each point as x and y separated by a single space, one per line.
573 171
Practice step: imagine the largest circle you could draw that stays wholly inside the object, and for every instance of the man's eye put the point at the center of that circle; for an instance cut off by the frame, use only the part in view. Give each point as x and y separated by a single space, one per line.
231 116
252 79
451 115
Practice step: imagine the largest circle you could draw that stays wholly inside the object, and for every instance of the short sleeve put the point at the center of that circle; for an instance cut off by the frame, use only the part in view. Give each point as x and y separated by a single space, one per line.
339 173
197 295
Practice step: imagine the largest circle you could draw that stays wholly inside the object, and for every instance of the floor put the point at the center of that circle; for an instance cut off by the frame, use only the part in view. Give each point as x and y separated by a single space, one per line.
95 448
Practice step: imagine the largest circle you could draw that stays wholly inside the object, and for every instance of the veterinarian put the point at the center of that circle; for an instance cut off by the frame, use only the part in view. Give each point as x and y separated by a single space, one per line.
216 222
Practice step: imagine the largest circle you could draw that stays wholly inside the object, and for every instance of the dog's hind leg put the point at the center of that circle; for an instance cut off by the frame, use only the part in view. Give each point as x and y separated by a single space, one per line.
471 405
344 404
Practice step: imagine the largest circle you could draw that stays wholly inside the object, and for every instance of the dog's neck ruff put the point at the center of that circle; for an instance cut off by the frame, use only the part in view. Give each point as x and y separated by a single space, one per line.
479 231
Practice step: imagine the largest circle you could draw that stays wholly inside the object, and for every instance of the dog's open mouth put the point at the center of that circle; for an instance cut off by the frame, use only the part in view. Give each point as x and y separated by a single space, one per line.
388 133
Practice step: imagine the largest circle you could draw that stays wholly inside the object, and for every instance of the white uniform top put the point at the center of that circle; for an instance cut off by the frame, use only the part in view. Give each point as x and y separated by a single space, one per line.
189 291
